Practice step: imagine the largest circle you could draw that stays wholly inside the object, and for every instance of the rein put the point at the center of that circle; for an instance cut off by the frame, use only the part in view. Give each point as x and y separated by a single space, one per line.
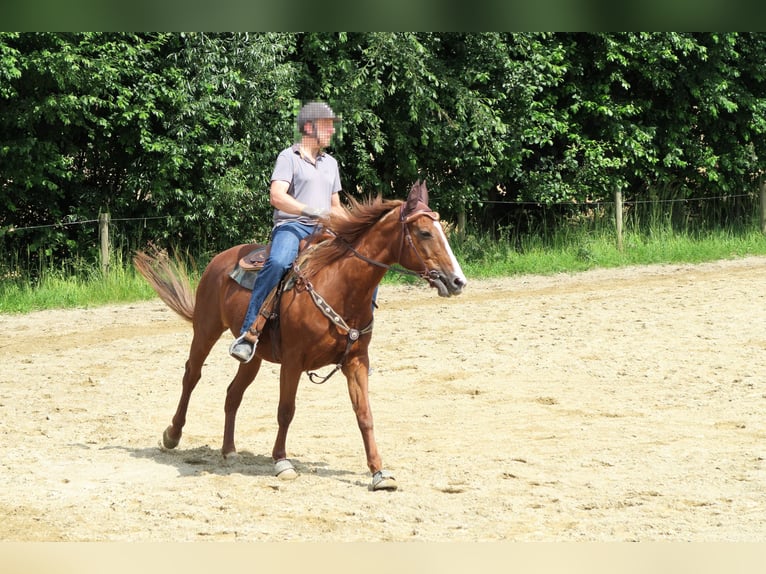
385 266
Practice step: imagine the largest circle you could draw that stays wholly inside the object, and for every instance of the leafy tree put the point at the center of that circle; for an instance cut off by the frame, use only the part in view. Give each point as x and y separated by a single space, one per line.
140 125
417 105
175 134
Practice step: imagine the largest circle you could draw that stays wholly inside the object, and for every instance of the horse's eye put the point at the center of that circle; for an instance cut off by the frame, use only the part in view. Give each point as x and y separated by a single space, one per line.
424 234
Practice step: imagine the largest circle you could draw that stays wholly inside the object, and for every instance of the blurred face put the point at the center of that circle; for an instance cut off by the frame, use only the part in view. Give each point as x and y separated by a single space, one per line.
325 130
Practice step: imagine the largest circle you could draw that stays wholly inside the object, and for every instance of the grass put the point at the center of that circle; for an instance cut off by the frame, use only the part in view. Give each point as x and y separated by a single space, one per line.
481 256
580 251
55 291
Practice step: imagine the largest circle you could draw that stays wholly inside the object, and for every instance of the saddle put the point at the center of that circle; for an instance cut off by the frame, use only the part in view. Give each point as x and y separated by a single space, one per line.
254 260
247 268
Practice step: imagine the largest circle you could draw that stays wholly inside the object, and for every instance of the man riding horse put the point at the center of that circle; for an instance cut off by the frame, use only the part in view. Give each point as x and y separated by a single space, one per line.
304 189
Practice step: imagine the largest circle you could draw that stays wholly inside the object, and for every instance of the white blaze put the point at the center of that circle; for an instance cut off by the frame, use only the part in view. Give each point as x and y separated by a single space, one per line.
455 265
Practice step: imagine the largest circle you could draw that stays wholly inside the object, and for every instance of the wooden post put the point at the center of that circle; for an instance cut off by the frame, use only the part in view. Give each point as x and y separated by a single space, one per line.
103 233
763 205
461 220
618 215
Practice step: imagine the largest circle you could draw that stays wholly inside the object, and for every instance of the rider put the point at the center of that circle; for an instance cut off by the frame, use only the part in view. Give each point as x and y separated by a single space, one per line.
304 190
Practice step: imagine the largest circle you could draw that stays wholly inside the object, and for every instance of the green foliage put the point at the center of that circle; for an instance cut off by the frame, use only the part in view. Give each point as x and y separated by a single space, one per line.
175 134
140 125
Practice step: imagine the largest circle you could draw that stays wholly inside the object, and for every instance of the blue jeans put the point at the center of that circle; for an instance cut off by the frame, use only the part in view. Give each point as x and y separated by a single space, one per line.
285 240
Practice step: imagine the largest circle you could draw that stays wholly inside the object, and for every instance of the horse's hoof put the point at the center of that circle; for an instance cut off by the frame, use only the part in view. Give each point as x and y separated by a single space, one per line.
383 480
230 457
168 442
284 470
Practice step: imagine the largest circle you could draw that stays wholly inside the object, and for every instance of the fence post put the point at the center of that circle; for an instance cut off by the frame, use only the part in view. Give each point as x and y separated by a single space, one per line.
103 233
763 205
461 220
618 215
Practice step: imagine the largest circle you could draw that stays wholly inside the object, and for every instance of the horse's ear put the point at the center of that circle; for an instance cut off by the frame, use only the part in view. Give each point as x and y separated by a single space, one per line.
418 194
424 193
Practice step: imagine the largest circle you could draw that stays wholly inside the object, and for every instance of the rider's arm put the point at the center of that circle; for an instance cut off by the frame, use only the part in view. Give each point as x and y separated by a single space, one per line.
280 199
283 201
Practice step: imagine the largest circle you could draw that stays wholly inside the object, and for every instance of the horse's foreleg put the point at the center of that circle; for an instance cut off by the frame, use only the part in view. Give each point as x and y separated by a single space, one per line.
245 375
360 402
200 348
288 387
356 375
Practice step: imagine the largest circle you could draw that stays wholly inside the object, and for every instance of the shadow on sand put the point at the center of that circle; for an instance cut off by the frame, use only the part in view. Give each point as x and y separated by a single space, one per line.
206 460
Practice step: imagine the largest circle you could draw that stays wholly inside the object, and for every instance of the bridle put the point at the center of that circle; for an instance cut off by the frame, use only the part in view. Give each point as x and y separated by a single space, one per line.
405 218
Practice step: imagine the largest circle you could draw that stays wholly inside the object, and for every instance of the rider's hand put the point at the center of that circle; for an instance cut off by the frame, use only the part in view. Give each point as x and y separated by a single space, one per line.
315 212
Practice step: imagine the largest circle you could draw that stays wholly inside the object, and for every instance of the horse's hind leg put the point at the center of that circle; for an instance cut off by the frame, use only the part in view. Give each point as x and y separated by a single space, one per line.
201 345
245 375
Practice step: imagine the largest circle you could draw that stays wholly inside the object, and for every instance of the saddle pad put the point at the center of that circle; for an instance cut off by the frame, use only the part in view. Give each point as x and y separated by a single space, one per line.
246 269
245 278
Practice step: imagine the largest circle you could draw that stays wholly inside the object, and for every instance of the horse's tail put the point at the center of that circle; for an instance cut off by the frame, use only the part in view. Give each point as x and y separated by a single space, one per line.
169 279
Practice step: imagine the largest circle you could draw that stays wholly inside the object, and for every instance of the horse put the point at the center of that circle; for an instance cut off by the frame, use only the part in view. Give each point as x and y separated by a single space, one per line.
324 318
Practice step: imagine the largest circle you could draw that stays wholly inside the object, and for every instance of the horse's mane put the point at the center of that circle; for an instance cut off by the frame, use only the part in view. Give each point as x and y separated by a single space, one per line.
348 230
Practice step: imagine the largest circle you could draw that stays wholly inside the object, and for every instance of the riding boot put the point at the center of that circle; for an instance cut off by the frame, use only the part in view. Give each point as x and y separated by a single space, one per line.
243 347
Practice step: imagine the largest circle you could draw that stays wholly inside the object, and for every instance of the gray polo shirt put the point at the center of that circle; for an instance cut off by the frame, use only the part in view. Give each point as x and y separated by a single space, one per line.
310 184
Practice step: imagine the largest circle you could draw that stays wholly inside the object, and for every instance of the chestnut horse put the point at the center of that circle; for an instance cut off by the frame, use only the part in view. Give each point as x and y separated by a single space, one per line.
325 318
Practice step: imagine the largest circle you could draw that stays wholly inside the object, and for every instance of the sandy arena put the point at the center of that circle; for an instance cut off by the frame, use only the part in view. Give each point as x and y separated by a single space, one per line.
610 405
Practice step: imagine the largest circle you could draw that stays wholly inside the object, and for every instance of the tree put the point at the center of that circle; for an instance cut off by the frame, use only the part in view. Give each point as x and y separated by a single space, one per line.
141 125
185 127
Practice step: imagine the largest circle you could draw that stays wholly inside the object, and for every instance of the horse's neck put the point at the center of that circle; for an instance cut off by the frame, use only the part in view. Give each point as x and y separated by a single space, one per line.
355 276
383 242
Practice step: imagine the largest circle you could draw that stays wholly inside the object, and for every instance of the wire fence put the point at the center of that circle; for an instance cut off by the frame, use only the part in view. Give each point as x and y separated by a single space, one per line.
12 229
522 217
625 202
583 205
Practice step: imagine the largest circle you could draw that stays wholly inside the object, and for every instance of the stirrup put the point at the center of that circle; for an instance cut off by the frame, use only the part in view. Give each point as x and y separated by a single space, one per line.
236 342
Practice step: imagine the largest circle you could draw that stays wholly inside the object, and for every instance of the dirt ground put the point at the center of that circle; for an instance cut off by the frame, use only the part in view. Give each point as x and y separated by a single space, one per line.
610 405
